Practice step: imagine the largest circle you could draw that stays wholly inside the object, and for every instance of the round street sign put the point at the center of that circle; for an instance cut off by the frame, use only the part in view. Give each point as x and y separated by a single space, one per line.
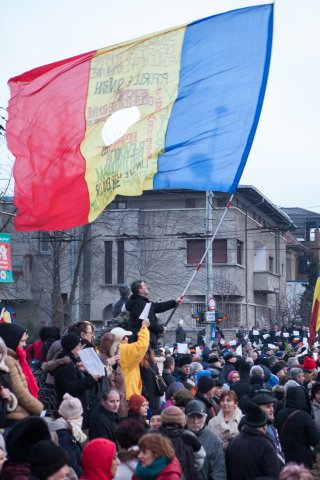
212 304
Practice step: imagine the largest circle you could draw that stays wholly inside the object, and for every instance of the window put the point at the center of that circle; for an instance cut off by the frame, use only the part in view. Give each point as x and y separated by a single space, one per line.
196 249
222 201
239 252
120 271
64 297
271 264
44 242
118 204
219 251
190 202
108 262
303 265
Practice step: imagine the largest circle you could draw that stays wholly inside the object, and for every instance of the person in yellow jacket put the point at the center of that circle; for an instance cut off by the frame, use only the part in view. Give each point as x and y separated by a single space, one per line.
130 356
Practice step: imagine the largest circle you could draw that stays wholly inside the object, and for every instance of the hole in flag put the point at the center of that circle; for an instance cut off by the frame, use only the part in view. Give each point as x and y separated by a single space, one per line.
118 124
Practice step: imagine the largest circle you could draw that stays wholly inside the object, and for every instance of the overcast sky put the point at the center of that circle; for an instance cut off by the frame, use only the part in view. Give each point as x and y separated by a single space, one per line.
284 160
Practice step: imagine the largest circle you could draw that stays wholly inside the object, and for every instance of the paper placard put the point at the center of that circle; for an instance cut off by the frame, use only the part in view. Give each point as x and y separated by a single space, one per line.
255 332
316 344
222 341
285 334
278 334
305 340
92 362
145 312
182 348
266 335
308 335
232 343
198 351
315 356
270 345
239 350
296 332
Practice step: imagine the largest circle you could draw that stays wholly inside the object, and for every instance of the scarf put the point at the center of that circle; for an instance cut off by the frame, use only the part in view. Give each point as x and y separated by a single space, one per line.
31 381
76 427
151 471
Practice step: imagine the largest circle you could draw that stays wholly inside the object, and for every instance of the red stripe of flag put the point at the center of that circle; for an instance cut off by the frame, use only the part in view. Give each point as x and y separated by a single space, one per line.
52 99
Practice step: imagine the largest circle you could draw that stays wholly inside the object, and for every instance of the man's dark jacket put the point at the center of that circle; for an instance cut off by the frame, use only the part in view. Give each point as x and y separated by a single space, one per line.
103 424
252 454
135 305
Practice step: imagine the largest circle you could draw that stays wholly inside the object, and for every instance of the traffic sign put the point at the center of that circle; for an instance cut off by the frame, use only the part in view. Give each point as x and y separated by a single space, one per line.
212 304
210 317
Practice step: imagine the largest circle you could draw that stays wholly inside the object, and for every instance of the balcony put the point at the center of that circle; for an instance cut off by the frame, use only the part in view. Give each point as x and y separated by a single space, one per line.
265 282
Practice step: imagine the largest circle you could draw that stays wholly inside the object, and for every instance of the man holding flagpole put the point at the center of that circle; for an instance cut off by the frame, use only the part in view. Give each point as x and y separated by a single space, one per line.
137 303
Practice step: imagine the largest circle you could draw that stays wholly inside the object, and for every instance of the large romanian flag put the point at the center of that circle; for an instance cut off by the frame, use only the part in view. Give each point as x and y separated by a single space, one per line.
175 109
315 313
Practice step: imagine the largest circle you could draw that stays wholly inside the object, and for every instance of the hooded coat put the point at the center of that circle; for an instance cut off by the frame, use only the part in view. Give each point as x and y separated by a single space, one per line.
97 459
27 403
298 432
68 378
135 306
131 354
115 375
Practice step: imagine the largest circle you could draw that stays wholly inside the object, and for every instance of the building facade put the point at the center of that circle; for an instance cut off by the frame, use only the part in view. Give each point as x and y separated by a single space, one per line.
160 237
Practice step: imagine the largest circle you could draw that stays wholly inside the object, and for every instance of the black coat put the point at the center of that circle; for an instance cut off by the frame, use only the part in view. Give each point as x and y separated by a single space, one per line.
68 378
251 454
180 335
135 305
297 433
103 423
149 388
168 377
69 443
241 387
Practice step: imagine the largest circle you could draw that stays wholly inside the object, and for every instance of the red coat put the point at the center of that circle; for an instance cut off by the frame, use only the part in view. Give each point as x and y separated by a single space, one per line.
171 472
35 351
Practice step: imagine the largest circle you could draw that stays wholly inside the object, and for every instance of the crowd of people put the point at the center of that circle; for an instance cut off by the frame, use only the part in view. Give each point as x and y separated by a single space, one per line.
244 410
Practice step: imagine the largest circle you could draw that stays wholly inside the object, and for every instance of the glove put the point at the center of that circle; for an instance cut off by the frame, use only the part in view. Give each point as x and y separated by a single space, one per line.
190 439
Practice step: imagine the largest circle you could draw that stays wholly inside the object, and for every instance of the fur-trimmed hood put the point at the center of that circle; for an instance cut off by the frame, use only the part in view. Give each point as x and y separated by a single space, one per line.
52 365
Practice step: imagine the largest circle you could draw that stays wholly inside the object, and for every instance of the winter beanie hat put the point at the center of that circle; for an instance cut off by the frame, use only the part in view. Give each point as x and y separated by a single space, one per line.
185 360
24 435
277 367
70 408
173 388
255 417
205 384
182 397
70 341
11 334
46 458
135 402
309 364
173 416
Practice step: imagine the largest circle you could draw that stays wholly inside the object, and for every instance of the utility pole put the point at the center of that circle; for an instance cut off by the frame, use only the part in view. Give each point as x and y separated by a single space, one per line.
209 283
